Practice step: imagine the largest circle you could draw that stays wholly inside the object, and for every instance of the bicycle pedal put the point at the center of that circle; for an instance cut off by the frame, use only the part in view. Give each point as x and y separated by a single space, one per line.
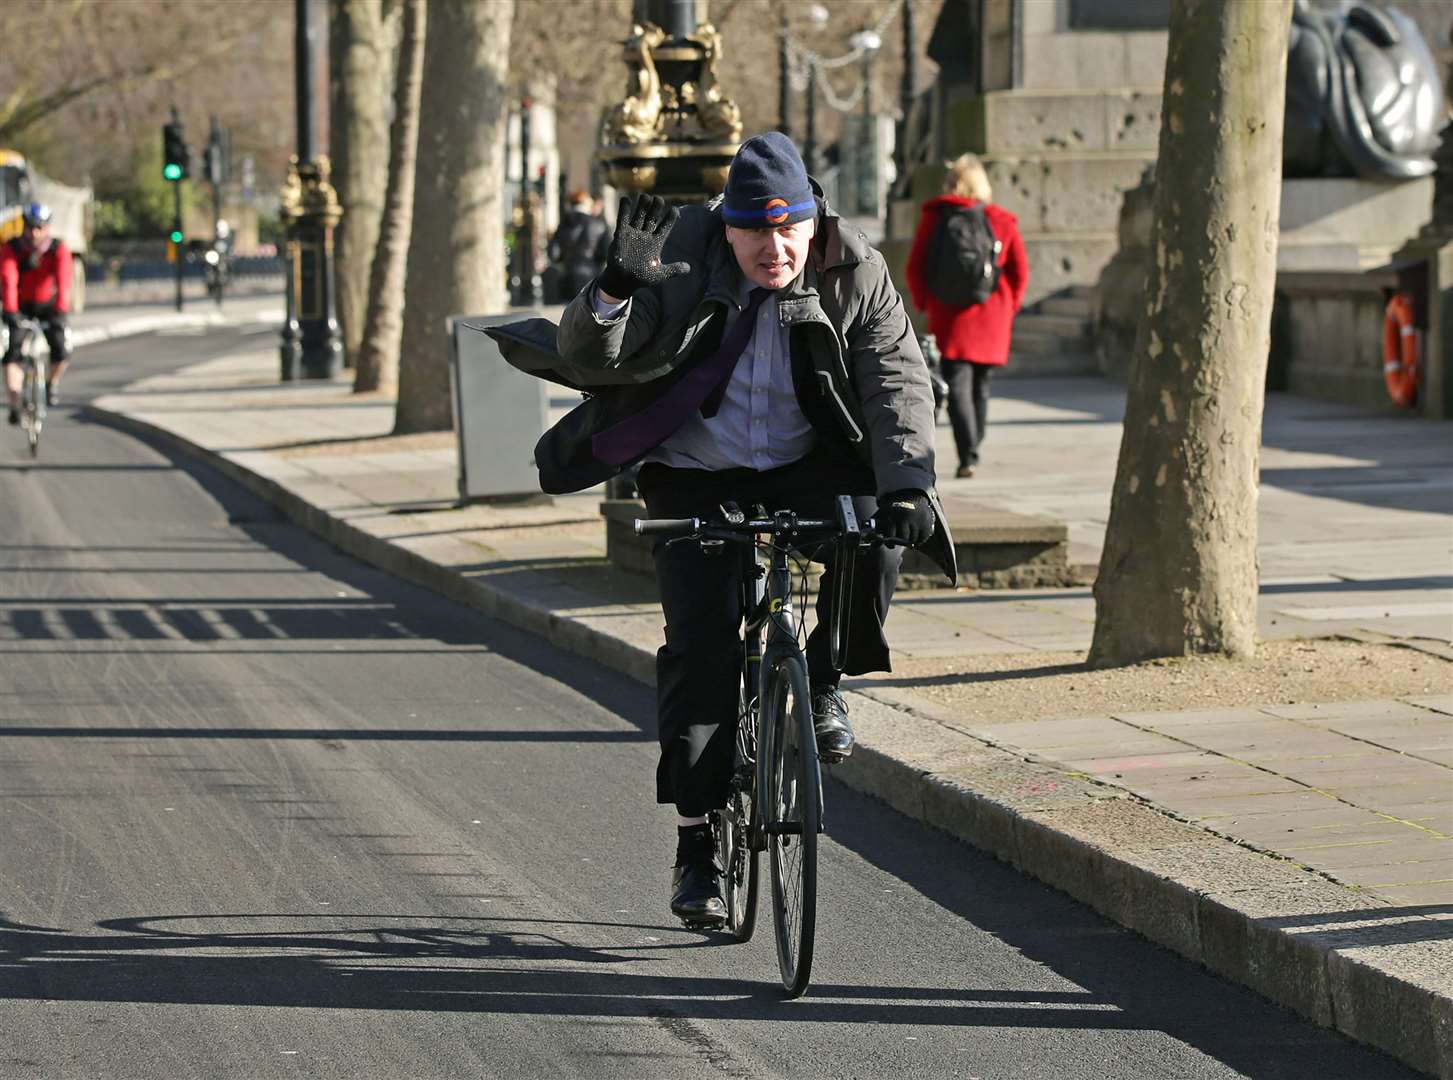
704 924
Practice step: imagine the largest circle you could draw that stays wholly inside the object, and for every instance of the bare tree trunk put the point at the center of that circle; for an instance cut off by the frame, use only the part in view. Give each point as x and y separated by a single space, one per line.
456 256
377 367
1178 575
359 146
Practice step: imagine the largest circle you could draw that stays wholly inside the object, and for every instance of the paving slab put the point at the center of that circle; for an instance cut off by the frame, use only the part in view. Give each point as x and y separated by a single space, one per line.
1234 869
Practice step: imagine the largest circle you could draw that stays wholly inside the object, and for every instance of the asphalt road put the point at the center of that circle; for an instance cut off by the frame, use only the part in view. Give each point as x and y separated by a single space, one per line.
265 812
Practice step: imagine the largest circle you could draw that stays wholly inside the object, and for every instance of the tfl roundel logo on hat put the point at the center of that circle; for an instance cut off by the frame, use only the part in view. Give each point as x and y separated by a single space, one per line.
776 211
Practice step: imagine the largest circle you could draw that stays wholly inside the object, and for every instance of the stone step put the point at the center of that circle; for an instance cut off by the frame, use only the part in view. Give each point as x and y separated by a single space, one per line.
1059 362
1033 342
1081 307
995 548
1072 327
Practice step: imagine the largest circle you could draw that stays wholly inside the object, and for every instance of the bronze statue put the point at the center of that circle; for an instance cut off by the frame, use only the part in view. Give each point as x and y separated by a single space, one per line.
1363 94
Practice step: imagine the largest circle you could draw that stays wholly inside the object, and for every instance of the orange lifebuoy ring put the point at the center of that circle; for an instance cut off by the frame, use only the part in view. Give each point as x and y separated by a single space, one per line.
1401 344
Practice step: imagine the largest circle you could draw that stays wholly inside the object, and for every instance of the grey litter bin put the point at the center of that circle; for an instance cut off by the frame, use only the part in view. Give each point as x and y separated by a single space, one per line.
499 414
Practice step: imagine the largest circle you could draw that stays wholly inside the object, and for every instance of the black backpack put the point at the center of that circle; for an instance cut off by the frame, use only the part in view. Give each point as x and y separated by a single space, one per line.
963 257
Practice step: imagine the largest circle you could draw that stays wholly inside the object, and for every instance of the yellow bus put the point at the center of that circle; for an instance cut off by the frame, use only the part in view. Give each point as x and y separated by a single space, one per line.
14 193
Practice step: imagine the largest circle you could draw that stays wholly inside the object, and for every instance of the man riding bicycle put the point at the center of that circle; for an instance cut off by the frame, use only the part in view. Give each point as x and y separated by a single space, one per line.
752 350
35 283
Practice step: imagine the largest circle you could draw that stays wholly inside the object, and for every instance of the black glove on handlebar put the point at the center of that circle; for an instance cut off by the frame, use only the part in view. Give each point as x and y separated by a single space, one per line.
634 260
905 516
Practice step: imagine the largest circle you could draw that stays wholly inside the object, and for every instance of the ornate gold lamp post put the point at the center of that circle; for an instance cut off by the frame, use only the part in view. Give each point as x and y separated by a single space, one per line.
312 347
675 132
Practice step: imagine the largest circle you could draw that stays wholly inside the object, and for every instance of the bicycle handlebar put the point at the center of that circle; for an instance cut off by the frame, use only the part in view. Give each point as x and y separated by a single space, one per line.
744 531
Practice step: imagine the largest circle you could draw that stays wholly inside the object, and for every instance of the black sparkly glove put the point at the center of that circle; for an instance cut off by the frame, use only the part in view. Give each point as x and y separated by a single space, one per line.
905 516
634 259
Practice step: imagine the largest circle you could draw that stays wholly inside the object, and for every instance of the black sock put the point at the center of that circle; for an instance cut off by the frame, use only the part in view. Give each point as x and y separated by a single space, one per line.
692 841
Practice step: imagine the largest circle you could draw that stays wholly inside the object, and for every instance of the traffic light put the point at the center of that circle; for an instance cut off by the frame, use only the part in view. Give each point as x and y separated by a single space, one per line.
175 236
176 158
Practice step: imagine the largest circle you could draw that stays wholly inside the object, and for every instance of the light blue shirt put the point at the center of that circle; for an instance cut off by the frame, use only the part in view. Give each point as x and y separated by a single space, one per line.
759 425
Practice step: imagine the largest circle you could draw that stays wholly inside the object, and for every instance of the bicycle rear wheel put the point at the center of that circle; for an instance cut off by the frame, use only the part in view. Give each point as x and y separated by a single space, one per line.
731 826
792 802
739 865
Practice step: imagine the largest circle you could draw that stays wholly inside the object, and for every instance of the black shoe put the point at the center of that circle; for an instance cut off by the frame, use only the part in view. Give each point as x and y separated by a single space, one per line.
696 897
52 395
14 416
830 722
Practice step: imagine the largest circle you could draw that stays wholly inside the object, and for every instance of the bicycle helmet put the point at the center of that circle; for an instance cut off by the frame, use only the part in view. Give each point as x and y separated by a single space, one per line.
37 214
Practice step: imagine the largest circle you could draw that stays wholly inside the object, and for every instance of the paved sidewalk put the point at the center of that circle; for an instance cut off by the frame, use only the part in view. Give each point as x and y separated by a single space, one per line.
1303 850
105 322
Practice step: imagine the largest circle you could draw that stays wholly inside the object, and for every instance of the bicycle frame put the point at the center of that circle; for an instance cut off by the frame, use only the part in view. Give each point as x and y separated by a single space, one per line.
768 609
32 402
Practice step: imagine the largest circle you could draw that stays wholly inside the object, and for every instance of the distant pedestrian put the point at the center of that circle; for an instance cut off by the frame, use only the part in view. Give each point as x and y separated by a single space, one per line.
967 272
579 245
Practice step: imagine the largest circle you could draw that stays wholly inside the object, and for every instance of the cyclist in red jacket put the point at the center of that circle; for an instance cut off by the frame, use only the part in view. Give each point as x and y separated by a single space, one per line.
35 283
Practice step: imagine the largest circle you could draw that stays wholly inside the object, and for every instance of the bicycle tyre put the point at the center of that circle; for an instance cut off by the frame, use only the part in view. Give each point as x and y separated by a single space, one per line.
739 858
33 406
740 866
792 800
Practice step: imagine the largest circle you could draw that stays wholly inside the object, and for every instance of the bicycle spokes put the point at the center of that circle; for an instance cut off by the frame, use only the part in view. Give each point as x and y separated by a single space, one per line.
792 823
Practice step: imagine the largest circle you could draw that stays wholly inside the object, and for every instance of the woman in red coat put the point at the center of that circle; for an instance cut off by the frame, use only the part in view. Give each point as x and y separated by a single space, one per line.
973 340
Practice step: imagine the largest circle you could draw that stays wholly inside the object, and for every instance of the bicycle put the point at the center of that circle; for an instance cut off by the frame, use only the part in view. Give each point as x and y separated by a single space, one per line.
32 393
777 761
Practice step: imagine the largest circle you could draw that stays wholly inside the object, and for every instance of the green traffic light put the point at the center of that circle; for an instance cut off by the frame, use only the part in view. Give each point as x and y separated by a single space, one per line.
176 236
171 171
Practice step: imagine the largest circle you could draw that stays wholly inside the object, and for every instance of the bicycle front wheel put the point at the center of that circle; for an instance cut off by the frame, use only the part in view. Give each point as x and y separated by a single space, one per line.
33 405
791 804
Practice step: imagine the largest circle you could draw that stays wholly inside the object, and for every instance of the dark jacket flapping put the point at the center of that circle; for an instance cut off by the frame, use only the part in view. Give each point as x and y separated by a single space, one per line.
860 377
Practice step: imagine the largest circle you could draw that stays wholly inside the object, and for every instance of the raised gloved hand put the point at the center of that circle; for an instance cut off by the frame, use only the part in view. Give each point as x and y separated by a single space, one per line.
905 516
634 260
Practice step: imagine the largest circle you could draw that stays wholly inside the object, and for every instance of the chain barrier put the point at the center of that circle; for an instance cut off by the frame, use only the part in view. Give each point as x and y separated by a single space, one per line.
801 59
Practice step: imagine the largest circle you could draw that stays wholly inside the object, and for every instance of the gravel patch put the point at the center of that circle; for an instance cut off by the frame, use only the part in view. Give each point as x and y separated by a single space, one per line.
1030 686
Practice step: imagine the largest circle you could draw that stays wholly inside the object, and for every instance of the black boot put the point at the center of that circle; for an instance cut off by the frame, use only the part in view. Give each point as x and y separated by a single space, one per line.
835 739
696 880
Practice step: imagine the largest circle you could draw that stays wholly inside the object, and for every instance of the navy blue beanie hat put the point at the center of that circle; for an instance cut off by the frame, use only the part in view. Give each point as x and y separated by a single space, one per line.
767 185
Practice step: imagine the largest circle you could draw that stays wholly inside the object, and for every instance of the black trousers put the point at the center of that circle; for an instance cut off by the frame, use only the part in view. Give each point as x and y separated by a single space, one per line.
968 405
52 325
698 670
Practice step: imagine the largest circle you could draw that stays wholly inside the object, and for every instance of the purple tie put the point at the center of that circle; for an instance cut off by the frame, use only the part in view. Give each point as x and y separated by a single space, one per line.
626 441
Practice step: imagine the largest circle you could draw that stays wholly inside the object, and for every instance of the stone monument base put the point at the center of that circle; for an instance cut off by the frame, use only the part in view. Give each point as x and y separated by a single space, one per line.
1346 224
